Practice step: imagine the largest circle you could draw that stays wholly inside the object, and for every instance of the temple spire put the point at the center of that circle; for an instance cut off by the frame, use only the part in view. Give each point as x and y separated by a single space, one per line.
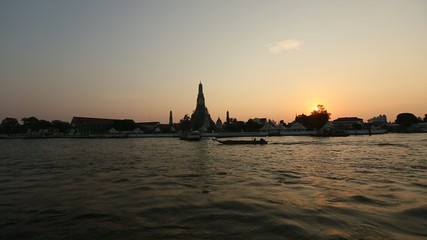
200 88
200 98
200 119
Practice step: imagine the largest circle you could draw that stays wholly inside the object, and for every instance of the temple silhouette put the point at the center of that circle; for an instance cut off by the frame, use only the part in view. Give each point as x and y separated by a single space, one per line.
200 119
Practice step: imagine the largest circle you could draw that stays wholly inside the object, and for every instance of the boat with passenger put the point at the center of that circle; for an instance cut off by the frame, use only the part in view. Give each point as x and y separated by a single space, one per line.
239 142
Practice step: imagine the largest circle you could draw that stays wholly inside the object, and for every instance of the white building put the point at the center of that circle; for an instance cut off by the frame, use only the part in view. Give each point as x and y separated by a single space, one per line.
379 120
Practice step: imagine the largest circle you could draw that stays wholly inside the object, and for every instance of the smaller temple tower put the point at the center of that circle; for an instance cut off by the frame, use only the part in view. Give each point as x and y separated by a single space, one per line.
170 119
218 125
227 119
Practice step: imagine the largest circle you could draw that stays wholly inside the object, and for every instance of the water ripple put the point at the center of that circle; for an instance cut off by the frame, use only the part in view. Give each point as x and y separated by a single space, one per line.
358 187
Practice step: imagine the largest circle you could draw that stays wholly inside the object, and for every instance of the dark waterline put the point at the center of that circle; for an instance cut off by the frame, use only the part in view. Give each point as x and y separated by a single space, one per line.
358 187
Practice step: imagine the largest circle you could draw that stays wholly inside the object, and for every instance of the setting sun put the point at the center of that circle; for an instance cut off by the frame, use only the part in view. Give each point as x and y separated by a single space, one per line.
316 108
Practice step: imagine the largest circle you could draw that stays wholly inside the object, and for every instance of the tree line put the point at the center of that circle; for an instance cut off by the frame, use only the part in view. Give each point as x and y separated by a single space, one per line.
33 124
316 120
408 119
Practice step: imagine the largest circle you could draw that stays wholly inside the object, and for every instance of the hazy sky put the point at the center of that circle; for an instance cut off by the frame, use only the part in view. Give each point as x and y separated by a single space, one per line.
274 59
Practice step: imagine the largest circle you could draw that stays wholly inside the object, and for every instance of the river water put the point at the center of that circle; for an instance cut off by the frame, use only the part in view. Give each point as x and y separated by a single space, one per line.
357 187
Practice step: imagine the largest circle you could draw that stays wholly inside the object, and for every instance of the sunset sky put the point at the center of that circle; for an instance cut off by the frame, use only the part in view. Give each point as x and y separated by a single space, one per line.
273 59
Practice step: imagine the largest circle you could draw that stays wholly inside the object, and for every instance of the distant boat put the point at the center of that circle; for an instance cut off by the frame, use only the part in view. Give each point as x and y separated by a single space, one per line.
330 133
371 131
239 142
190 136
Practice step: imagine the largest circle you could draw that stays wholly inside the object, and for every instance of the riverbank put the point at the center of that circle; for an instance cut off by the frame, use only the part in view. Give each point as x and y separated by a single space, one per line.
176 135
